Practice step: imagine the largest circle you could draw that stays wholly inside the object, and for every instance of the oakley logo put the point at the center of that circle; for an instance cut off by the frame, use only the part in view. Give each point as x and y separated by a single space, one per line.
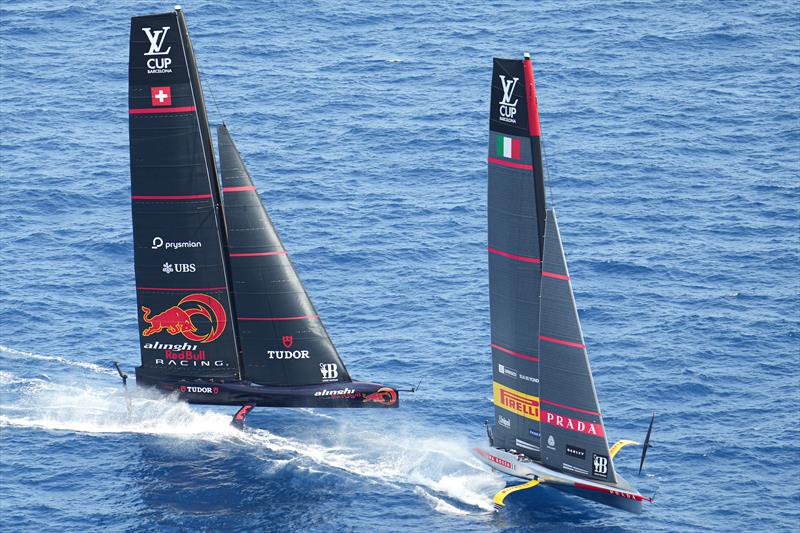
156 39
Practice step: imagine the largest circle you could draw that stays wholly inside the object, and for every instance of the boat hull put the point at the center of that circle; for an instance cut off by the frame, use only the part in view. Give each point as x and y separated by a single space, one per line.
354 394
621 495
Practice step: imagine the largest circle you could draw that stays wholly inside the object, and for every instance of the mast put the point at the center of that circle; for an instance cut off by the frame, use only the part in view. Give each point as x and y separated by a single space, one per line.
205 131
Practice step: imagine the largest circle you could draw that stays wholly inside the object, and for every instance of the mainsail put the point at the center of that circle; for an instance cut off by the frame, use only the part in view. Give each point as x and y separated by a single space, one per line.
282 337
516 229
186 314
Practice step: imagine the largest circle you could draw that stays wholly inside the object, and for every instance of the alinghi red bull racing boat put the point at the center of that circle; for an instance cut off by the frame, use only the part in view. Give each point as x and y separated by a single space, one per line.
223 316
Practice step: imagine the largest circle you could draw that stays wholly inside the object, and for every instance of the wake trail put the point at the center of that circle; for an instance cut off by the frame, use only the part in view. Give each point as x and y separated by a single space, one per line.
439 468
59 359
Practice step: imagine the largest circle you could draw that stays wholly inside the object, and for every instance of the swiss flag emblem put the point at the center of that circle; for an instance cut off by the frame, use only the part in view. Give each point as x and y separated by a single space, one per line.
161 96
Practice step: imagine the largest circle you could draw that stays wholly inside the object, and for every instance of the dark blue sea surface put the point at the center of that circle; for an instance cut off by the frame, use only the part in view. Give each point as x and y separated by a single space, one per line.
672 135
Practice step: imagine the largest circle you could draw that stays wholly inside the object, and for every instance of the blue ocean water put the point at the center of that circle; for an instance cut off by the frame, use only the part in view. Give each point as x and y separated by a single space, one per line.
672 135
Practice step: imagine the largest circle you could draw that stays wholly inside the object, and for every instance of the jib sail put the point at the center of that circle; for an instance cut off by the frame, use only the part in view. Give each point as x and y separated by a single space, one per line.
516 206
573 436
282 337
186 321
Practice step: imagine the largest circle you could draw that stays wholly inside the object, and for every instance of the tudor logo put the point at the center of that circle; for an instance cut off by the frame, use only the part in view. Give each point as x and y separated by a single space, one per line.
156 39
329 371
287 341
508 109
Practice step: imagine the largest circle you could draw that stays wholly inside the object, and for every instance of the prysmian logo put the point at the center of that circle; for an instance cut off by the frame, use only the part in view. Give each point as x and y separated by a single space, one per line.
158 242
157 65
574 451
503 421
329 371
508 109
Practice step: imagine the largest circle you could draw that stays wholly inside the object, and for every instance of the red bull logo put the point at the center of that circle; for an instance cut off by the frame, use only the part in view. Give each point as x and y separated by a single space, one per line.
180 319
384 395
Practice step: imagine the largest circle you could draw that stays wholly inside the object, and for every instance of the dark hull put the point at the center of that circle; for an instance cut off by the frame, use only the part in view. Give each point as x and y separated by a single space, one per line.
234 392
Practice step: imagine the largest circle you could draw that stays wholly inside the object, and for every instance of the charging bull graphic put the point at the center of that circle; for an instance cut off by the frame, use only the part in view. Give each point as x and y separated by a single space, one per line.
384 395
178 319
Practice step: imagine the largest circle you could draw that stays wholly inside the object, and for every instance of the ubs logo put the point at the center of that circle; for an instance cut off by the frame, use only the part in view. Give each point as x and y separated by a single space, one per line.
508 109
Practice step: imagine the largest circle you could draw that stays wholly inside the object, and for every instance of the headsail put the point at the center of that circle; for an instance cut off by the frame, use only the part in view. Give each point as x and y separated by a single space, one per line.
573 437
282 337
185 311
516 229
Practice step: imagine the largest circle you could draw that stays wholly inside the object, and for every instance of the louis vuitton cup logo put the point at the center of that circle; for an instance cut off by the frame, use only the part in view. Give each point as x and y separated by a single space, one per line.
508 109
156 39
157 65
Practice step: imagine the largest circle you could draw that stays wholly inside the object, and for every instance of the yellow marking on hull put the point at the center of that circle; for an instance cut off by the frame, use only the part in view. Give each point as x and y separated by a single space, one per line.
501 496
618 446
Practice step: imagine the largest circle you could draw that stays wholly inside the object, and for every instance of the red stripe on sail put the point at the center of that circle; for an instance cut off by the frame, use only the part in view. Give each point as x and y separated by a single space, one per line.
150 110
181 289
515 149
557 276
279 318
186 197
239 189
559 341
258 254
570 408
515 354
509 164
515 257
530 92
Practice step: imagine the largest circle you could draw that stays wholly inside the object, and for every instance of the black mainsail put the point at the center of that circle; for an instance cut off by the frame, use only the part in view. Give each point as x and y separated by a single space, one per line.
223 316
548 427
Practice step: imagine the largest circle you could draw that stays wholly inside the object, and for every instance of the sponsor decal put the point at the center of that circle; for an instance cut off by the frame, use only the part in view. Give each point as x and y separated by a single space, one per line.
287 354
156 39
329 371
287 341
384 395
575 451
177 347
573 424
526 445
200 390
183 319
551 442
599 465
516 402
503 421
528 378
160 96
572 468
507 147
180 268
507 371
534 433
508 109
158 243
494 459
339 393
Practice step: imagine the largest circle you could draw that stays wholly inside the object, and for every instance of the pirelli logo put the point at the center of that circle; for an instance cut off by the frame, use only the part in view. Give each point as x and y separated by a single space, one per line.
516 402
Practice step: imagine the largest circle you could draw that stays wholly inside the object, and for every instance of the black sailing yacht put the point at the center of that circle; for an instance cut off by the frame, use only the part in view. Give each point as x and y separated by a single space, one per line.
548 427
223 316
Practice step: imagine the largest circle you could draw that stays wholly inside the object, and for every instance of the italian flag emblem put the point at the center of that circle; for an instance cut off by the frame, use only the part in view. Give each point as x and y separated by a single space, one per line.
507 147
